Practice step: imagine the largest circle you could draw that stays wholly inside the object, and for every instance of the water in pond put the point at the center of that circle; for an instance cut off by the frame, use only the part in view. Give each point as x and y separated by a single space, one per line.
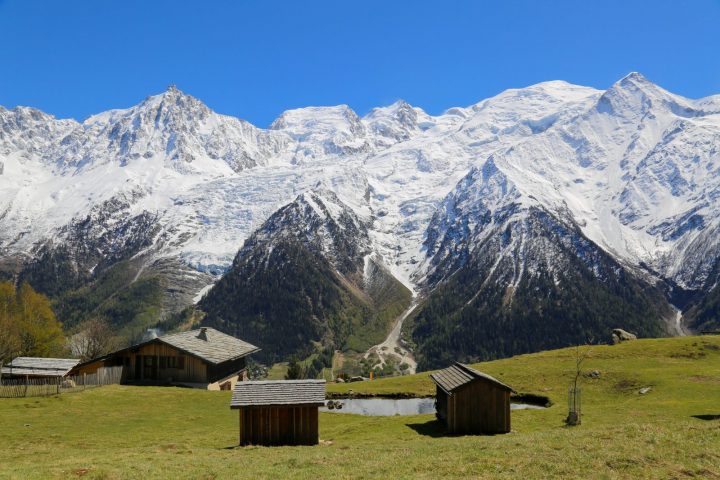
381 407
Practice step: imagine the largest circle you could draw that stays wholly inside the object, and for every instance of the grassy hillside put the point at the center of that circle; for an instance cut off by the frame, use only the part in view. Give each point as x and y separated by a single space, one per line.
126 432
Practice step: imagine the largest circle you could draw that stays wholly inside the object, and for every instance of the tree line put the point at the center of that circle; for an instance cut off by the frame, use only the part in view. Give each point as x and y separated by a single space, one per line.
29 328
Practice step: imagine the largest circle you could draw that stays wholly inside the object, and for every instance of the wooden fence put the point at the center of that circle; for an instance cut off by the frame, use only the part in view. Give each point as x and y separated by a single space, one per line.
43 387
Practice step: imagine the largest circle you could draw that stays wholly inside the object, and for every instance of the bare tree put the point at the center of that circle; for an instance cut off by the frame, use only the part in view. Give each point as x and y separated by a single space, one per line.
574 400
94 339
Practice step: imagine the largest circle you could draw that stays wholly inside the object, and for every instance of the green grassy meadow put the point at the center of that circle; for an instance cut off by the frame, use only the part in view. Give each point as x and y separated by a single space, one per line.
146 432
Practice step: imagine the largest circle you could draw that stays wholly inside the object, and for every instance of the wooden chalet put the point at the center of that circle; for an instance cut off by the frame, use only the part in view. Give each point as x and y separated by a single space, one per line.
471 402
279 412
34 367
202 358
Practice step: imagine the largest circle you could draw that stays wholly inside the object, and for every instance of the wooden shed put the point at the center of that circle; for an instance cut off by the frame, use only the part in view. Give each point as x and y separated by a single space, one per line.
471 402
279 412
202 358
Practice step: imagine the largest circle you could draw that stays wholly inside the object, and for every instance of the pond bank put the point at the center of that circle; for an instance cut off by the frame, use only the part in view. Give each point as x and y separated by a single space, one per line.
525 398
385 407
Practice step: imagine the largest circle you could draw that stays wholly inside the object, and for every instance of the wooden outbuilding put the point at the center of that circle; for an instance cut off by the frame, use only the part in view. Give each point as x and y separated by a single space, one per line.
279 412
471 402
202 358
35 367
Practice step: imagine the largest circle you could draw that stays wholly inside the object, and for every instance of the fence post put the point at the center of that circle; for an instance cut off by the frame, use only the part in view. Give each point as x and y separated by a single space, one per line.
26 385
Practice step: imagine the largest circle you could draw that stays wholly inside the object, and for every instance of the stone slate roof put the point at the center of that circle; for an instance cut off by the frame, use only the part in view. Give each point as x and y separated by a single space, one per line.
280 392
209 345
44 367
454 377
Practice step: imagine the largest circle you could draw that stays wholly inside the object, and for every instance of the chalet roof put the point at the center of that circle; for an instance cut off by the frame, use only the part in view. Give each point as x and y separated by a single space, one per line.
209 344
280 392
204 343
457 375
44 367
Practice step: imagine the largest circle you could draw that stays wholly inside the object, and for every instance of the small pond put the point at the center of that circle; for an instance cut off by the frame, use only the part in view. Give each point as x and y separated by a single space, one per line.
382 407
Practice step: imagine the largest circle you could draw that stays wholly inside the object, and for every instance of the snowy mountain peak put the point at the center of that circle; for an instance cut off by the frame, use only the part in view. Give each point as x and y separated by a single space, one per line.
323 131
300 121
320 205
319 220
635 78
400 111
634 96
397 122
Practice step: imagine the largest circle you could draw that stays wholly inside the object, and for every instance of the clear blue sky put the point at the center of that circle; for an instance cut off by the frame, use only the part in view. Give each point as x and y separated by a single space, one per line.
254 59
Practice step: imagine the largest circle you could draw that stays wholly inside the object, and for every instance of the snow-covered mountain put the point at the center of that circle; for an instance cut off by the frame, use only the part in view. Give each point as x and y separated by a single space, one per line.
169 185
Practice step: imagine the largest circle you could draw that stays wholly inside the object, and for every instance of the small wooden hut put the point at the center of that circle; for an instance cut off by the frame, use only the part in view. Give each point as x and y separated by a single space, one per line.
471 402
279 412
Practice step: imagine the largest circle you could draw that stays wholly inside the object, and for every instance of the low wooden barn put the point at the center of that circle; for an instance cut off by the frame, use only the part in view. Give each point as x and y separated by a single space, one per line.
471 402
279 412
202 358
34 367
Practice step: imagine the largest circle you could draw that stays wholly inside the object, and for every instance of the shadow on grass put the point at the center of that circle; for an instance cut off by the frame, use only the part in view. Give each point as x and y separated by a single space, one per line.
707 417
433 428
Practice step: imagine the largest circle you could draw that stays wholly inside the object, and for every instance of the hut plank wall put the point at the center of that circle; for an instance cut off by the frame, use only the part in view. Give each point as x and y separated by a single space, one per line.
279 425
478 407
145 364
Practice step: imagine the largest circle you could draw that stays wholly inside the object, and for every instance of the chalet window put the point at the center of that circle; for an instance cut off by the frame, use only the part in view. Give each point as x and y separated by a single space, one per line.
115 362
172 362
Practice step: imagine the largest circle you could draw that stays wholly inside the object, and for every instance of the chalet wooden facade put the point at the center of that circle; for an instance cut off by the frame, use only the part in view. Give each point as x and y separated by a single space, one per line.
279 412
471 402
32 367
202 358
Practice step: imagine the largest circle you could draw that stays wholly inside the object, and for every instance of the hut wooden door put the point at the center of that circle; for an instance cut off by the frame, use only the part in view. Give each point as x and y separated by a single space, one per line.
151 367
138 367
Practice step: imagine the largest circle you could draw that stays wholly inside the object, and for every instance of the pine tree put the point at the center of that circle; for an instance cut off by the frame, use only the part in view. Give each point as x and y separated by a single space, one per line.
295 371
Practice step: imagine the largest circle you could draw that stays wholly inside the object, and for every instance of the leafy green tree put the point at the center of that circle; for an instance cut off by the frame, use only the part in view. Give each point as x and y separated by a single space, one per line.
9 335
28 325
41 334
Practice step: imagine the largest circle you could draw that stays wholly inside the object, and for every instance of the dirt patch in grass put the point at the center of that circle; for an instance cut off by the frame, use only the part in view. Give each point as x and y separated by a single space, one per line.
700 473
628 385
621 463
704 379
694 351
689 355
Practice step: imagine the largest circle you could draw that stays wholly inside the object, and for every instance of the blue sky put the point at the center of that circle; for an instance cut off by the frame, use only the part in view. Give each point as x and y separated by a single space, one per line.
254 59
